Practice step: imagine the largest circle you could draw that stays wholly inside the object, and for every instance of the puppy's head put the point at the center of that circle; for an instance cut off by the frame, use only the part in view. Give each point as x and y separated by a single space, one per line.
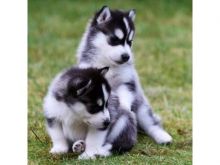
86 93
110 37
115 32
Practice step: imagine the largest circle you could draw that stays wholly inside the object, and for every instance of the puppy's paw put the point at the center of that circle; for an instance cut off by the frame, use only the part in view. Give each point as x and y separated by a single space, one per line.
104 153
165 138
105 150
86 155
79 146
59 149
161 136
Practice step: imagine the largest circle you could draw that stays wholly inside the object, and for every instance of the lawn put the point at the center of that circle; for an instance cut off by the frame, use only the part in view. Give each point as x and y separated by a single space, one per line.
163 58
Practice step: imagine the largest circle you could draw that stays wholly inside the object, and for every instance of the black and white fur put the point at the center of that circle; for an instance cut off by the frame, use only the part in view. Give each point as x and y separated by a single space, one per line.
107 42
78 119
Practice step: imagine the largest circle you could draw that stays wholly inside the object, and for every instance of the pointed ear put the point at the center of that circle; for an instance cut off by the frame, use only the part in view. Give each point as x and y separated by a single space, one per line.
83 89
104 70
132 14
103 15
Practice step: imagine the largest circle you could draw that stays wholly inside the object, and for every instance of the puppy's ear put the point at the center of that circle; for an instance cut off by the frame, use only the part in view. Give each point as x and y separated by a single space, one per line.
103 15
104 70
132 14
79 86
83 90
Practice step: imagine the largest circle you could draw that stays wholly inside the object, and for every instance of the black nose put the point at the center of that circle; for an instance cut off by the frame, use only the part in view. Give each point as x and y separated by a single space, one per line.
125 57
106 123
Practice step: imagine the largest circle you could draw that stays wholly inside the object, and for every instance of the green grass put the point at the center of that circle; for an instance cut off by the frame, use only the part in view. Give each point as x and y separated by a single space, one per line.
162 49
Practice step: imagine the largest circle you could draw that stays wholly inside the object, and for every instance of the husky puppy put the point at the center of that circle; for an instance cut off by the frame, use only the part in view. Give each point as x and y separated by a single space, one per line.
77 117
107 42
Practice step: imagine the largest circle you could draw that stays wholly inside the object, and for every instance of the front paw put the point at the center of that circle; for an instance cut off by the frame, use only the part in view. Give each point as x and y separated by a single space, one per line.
103 151
59 149
79 146
86 155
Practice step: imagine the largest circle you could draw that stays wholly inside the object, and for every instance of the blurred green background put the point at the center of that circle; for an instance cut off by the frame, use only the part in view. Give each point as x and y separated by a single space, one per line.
163 58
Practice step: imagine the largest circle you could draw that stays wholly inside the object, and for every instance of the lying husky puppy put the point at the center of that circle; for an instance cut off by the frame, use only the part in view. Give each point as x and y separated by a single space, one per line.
107 42
78 118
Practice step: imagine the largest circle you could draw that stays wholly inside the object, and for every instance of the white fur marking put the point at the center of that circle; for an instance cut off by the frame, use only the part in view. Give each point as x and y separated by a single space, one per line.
131 35
105 92
126 24
119 33
99 102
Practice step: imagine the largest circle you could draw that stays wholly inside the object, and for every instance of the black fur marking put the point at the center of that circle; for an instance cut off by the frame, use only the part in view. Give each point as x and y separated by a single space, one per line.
106 104
131 86
50 121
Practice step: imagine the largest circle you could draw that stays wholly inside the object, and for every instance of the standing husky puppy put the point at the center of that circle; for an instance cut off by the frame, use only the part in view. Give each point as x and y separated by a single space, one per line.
107 42
77 116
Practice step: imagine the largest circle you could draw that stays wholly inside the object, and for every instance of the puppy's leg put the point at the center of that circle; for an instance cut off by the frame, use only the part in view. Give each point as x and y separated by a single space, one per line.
79 146
123 134
54 129
94 144
150 123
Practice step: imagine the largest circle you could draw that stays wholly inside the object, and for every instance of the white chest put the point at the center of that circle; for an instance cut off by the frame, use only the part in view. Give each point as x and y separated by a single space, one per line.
119 75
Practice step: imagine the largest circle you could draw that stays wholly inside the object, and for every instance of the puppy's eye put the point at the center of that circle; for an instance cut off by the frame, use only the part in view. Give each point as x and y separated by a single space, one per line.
94 109
114 40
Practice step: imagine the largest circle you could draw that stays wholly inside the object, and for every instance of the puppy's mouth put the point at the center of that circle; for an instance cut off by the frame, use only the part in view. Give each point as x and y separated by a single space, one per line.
103 128
120 62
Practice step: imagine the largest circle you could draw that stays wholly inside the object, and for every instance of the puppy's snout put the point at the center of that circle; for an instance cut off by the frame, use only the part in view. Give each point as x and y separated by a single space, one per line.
106 123
125 57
